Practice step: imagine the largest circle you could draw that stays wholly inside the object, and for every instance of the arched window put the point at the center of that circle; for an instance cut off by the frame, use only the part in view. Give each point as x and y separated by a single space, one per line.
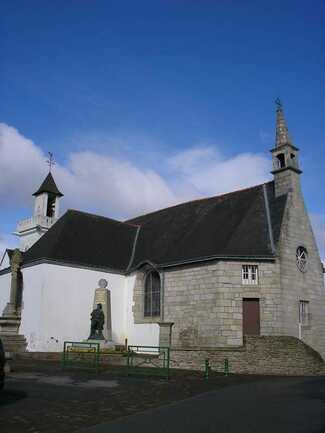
152 294
50 211
281 160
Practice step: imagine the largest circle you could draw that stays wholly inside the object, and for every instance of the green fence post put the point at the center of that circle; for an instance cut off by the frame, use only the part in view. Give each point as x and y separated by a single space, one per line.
226 367
206 369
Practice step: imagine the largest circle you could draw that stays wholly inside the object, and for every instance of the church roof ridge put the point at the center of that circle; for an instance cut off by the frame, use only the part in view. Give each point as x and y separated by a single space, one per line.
197 200
93 215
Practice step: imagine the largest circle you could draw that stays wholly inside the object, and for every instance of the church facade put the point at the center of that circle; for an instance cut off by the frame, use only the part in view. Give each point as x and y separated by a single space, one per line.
200 274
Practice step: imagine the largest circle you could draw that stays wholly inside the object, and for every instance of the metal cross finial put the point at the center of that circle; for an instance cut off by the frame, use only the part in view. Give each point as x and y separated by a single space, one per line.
50 161
278 104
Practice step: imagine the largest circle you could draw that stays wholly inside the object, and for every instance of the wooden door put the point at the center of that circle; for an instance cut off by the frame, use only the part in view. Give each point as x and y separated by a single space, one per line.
251 316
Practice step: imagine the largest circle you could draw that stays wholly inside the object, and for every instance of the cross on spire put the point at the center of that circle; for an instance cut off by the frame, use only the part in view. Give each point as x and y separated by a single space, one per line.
278 103
50 161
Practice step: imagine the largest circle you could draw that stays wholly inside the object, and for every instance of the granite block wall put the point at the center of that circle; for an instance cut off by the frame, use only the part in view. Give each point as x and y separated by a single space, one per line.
268 355
296 285
205 302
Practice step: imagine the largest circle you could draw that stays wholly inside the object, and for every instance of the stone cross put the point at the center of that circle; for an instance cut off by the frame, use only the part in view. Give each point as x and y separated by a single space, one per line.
15 263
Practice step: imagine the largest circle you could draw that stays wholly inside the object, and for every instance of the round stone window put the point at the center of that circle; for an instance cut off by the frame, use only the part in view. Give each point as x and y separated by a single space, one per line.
302 259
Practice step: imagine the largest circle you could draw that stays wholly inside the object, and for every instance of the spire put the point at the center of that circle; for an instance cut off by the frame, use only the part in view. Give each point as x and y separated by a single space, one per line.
49 186
282 134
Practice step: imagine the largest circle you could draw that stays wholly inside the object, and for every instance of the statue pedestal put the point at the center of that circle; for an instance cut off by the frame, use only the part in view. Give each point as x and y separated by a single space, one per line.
12 341
103 297
103 344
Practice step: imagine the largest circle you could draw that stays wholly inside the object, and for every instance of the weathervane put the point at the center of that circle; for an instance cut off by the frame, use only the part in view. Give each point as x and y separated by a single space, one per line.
50 161
278 104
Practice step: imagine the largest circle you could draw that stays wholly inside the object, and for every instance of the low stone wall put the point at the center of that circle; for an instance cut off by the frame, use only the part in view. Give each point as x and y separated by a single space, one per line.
105 358
282 355
268 355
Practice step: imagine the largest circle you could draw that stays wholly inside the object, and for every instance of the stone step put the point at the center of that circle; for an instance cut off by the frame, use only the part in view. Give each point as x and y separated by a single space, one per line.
14 343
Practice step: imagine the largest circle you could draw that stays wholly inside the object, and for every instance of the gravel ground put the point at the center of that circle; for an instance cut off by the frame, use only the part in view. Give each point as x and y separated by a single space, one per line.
40 397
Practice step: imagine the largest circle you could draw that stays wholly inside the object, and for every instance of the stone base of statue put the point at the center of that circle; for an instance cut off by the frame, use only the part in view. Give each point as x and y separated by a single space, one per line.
103 297
12 341
103 344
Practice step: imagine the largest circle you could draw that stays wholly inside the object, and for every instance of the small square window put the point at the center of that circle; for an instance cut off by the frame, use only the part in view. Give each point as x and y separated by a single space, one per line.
304 316
250 274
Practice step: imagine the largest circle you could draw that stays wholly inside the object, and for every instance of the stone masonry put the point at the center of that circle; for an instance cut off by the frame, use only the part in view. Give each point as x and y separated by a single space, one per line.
205 303
260 355
296 285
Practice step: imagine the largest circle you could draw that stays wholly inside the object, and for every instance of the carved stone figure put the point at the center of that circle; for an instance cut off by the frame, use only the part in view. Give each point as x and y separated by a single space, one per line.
97 324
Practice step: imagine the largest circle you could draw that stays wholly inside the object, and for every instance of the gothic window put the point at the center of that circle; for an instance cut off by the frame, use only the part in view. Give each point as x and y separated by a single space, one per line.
302 259
152 294
250 274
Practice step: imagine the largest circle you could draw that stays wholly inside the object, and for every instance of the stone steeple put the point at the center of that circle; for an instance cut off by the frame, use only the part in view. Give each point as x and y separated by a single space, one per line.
285 157
281 133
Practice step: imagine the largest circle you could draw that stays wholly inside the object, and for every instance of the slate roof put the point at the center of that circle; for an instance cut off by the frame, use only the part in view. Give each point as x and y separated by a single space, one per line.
230 225
48 185
80 238
233 225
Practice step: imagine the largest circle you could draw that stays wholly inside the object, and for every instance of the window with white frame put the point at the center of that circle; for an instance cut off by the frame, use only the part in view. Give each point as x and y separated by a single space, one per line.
304 313
250 274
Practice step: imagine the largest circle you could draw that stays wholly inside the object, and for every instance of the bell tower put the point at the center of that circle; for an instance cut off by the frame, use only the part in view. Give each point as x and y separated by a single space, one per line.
285 157
46 212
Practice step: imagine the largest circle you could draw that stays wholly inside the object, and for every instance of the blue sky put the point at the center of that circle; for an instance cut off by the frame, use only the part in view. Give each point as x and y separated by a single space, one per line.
148 103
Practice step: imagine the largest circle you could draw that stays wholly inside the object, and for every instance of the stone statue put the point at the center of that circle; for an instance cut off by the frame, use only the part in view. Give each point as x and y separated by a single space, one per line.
97 324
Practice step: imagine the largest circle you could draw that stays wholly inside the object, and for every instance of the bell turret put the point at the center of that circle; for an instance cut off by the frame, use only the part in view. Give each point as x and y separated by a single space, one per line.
46 212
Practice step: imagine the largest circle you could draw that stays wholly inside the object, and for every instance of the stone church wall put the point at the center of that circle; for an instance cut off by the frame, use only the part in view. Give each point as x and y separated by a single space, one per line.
297 285
205 302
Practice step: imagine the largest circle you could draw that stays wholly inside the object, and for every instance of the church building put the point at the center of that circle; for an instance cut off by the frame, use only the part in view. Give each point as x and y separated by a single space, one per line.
199 274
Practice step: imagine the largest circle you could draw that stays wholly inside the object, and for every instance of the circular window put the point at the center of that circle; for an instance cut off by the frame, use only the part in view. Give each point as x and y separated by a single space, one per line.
302 259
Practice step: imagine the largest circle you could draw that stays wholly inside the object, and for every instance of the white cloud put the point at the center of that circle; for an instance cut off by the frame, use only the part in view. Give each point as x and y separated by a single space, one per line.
211 173
122 188
21 162
112 186
90 181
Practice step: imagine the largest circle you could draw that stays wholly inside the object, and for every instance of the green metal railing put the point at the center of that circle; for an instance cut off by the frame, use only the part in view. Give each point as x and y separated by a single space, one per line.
148 360
208 370
79 354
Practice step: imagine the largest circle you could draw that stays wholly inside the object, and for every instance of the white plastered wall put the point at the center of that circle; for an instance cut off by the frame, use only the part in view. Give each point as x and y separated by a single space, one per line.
145 334
58 300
